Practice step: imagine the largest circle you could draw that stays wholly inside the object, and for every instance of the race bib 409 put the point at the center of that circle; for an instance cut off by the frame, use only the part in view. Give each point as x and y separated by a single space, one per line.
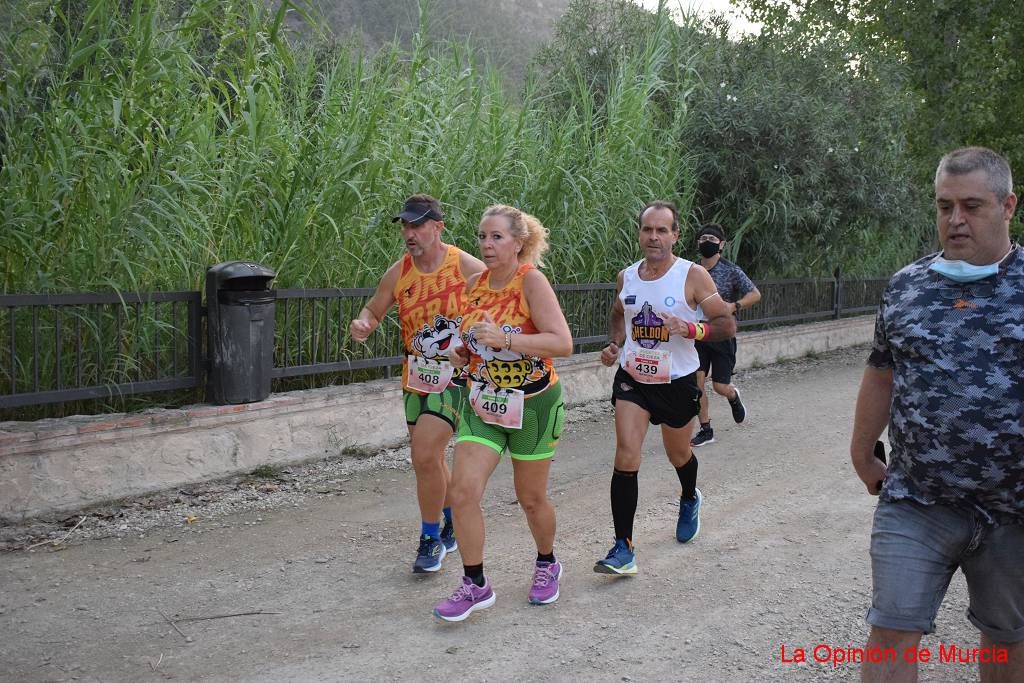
501 407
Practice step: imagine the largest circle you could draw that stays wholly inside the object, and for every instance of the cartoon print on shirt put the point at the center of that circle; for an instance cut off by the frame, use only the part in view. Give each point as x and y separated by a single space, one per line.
503 368
433 342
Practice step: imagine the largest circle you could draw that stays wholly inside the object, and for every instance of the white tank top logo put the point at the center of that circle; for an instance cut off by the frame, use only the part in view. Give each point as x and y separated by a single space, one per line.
650 354
648 329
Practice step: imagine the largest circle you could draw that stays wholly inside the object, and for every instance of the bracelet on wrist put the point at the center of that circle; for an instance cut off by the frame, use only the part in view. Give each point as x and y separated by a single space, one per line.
508 341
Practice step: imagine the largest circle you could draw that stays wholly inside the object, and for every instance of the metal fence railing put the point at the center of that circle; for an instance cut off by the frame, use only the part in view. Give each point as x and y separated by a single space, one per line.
71 347
312 333
798 301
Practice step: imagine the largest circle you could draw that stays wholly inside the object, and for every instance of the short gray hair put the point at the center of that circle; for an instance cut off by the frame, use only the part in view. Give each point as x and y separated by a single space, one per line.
970 159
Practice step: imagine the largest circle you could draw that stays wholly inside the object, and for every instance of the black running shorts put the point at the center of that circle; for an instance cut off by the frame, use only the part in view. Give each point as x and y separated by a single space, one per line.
673 404
720 357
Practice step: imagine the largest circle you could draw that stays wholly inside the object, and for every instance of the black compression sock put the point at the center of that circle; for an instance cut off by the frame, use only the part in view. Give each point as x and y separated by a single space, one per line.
625 491
550 557
688 478
475 572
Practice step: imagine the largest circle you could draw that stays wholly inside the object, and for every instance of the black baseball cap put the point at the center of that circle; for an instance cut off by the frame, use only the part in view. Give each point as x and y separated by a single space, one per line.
419 209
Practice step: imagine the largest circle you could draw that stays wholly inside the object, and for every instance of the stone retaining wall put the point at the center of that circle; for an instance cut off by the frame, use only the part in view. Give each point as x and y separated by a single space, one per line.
65 464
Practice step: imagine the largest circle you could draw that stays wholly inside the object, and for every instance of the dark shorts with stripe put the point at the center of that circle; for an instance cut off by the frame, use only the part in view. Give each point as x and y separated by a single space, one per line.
673 404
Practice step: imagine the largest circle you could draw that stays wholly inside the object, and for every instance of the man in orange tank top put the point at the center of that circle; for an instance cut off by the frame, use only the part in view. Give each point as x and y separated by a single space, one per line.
428 284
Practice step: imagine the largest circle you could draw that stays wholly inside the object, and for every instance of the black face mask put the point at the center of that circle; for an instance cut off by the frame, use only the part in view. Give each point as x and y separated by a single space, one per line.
708 249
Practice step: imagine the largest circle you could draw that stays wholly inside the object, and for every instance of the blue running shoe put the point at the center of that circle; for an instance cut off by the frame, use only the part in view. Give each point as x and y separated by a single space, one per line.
688 525
620 559
448 537
429 555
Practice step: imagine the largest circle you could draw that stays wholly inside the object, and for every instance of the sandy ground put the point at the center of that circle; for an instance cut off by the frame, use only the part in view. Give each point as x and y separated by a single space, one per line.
781 561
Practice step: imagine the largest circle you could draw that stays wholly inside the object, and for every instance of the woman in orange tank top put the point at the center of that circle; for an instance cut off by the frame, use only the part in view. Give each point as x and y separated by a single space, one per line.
512 327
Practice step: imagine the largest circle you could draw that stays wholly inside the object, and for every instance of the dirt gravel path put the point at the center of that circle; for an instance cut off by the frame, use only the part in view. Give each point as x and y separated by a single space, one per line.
781 561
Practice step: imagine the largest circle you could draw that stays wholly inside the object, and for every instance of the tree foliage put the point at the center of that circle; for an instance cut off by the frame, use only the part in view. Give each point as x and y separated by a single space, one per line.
803 159
963 61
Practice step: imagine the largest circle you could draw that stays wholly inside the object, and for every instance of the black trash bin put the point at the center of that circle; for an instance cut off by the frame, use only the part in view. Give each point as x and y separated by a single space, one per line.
240 330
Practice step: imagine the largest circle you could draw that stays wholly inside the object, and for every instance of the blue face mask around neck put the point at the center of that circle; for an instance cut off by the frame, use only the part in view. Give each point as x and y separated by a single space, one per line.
962 271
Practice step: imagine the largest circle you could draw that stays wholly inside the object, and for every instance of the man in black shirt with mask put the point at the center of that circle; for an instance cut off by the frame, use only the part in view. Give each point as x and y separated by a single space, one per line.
737 290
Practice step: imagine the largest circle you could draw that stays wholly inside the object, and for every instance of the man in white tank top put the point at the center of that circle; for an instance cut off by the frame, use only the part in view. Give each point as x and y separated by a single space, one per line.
653 326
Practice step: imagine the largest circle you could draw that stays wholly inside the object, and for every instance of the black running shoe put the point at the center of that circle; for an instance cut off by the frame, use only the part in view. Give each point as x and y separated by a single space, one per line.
705 436
739 413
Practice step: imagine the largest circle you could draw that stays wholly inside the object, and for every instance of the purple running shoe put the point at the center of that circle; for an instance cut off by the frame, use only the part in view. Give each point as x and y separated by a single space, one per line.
466 599
545 583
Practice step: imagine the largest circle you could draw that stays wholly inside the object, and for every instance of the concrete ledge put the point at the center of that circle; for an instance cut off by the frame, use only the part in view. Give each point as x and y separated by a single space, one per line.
771 346
66 464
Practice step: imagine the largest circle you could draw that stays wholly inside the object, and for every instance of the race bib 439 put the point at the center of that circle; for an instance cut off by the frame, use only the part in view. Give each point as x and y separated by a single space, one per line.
650 366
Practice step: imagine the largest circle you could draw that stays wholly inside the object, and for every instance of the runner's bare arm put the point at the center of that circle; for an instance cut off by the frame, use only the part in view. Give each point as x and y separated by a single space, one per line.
553 338
869 419
470 265
616 327
701 291
458 354
377 307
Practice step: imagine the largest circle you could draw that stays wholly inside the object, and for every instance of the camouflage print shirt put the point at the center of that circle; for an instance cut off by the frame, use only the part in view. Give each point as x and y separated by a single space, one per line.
957 419
731 281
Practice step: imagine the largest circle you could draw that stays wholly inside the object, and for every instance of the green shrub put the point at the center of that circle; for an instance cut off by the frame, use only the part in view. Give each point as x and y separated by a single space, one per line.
801 156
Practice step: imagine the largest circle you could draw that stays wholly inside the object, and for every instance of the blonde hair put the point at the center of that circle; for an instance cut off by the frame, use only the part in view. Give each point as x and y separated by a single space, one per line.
525 227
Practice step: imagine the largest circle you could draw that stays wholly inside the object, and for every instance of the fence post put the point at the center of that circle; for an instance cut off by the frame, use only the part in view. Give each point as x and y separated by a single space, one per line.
197 362
837 297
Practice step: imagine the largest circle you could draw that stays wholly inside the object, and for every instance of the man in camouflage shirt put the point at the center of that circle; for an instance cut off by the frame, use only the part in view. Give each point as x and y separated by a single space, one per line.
947 374
718 358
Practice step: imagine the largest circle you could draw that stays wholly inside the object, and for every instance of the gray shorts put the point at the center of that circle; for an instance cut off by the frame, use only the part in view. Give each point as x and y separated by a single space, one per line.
916 549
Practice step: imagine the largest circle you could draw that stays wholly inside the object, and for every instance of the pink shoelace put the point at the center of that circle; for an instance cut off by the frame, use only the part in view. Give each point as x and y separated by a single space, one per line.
463 592
542 576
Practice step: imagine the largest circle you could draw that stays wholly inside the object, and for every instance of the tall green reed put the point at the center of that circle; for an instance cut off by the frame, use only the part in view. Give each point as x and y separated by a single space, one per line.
147 140
142 142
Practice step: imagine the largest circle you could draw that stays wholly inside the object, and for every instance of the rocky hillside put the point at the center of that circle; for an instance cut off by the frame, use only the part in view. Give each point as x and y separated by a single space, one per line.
509 32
